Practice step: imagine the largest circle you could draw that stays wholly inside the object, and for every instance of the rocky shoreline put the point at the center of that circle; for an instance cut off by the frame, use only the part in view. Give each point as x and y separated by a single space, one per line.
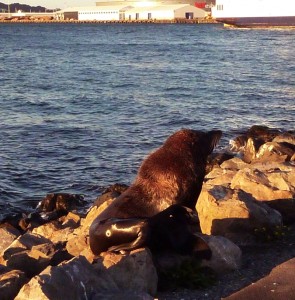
247 217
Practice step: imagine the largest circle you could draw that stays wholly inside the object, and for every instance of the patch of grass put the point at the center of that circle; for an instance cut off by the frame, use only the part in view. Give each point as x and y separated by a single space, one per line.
188 275
264 234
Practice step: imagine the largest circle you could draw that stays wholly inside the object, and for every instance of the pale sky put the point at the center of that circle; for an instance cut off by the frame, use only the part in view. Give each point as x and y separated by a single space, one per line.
54 3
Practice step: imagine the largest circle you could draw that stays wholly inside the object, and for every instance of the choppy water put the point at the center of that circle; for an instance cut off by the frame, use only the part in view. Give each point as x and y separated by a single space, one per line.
81 105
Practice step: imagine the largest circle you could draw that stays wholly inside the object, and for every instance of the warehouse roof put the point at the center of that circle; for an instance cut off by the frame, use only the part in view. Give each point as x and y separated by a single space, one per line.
163 7
95 8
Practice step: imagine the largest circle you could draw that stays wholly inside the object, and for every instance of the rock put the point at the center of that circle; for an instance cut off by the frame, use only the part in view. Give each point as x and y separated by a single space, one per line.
77 244
234 214
76 279
223 175
54 231
286 137
56 252
238 144
286 207
263 132
11 282
32 253
122 269
31 262
71 220
61 201
223 178
234 164
111 275
226 256
275 152
251 148
216 159
257 183
24 242
8 235
256 132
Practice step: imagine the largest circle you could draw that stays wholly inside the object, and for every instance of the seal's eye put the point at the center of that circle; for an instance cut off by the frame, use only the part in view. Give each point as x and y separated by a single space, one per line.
170 216
108 233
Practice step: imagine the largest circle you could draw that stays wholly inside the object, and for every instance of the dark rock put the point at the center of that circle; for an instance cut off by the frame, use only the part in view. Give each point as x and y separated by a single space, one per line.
262 132
61 202
216 159
31 262
11 282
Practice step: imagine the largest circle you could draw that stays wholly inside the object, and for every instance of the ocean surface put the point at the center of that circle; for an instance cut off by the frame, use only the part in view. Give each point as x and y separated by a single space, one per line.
81 105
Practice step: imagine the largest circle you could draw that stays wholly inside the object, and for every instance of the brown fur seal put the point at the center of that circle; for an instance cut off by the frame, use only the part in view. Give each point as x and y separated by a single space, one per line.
173 174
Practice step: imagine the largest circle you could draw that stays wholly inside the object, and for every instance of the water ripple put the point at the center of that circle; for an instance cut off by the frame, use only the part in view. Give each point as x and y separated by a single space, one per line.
93 101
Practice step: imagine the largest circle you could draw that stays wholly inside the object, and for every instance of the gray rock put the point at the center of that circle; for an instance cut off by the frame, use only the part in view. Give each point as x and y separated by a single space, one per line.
75 280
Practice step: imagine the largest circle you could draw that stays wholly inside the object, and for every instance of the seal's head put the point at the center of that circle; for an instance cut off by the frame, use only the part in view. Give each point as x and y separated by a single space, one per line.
200 143
118 235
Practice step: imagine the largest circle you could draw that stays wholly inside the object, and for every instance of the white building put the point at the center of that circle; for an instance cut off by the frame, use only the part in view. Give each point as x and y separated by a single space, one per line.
123 12
92 13
165 12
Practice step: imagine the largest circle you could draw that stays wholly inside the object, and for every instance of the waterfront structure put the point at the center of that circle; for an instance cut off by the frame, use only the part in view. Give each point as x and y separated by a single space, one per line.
165 12
255 13
93 13
130 13
198 3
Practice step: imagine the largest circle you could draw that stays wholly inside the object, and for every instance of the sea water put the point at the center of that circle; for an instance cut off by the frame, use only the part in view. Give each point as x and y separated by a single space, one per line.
81 105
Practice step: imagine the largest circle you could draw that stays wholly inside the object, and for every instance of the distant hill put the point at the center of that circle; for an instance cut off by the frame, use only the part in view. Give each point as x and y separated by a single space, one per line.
14 7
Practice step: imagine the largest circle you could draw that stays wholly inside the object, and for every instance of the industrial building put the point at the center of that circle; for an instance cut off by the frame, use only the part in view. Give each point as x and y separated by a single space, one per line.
165 12
93 13
153 11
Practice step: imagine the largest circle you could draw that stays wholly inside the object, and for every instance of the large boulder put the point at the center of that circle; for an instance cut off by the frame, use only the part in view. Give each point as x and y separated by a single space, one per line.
115 276
234 214
274 151
122 269
75 279
32 253
226 256
22 243
265 185
31 262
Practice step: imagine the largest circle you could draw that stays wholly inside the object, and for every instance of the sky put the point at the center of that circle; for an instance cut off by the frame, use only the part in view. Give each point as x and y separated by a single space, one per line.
53 3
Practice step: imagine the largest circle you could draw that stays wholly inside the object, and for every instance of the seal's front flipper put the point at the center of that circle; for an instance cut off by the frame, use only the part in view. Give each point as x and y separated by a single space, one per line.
116 234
